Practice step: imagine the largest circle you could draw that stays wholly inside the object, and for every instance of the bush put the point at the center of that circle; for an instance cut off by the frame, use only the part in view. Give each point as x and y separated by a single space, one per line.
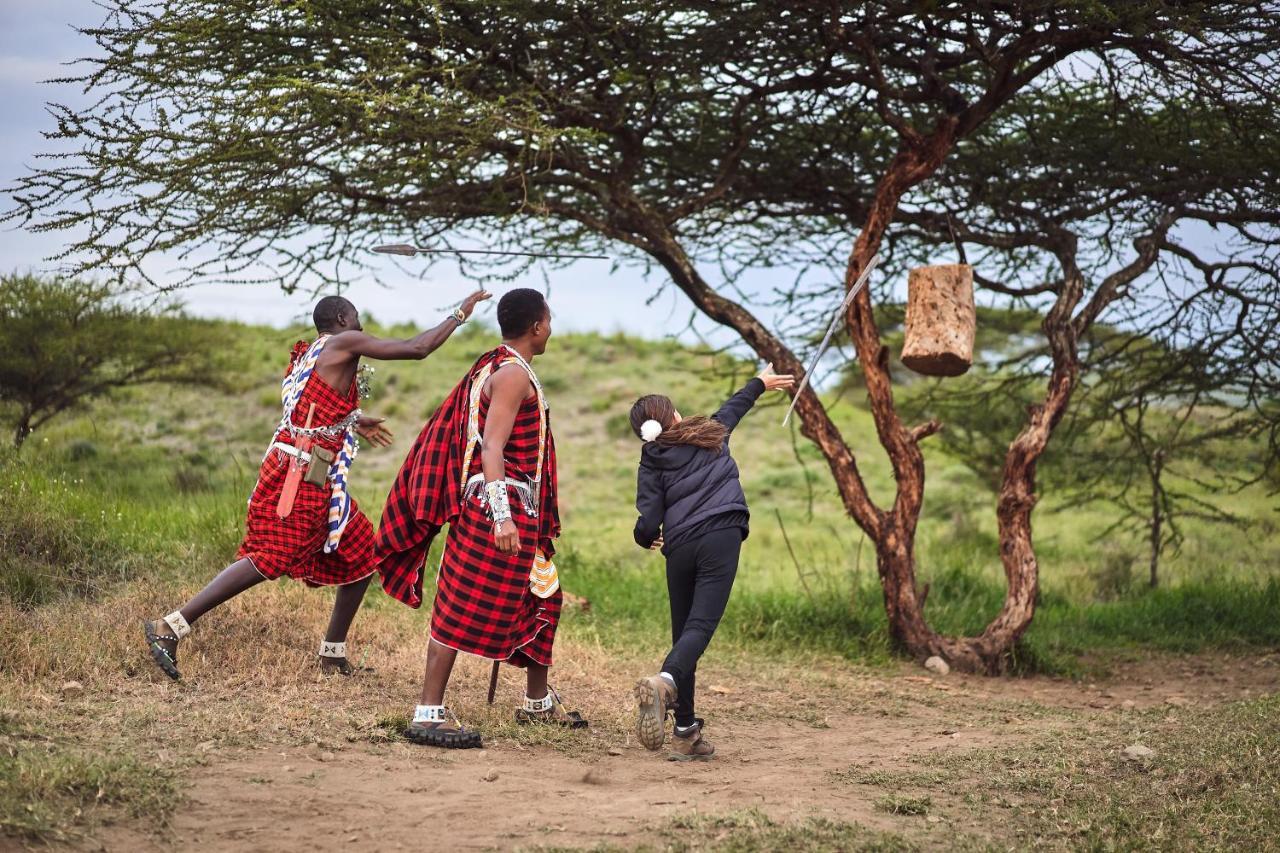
46 554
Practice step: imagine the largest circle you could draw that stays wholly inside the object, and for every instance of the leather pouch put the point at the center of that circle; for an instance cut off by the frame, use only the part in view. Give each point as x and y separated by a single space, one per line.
318 468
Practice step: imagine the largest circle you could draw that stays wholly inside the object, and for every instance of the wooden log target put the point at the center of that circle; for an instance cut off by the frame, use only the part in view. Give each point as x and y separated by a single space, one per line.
941 320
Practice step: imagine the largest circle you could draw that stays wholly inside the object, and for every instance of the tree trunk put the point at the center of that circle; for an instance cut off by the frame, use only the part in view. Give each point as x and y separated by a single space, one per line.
1157 517
893 530
21 432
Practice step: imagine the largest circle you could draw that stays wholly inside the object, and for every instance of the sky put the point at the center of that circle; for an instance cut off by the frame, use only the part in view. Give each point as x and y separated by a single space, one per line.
36 39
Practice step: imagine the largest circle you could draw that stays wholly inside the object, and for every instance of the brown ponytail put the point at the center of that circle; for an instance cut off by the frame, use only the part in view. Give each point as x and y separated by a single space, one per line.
699 431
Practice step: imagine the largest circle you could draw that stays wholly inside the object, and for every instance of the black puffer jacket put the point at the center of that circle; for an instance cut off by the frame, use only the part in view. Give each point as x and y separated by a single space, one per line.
679 487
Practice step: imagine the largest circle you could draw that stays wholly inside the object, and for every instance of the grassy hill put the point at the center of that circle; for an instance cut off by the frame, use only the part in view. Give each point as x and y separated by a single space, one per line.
152 484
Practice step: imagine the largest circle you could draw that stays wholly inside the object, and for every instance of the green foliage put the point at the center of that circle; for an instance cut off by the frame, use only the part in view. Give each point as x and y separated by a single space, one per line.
64 342
81 521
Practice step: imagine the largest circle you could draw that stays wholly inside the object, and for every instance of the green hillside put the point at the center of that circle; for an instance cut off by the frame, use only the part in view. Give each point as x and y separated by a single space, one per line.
152 484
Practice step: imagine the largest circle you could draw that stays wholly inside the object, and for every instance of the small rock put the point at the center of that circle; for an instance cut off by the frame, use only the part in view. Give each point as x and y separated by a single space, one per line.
1138 752
938 665
288 768
72 688
615 751
326 756
490 775
1128 704
720 689
933 818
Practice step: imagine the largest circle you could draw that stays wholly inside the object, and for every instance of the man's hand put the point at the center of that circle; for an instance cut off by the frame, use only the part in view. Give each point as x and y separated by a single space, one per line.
657 544
372 430
469 304
506 538
776 381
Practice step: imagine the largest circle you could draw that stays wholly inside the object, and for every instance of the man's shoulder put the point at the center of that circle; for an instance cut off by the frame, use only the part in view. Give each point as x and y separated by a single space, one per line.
510 378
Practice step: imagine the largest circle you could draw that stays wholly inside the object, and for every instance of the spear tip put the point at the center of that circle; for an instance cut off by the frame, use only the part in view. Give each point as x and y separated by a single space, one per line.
397 249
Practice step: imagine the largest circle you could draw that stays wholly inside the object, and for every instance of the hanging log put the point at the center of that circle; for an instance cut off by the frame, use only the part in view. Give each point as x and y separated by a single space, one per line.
941 320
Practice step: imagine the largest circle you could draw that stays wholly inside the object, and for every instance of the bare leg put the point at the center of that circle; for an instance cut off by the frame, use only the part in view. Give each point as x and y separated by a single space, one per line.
345 605
439 667
536 681
434 730
229 583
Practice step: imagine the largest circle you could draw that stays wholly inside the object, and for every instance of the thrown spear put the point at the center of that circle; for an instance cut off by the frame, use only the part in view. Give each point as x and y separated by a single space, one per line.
822 347
409 251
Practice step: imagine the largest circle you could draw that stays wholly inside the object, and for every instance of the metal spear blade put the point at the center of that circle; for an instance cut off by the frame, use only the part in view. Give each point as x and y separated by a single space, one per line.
826 339
409 251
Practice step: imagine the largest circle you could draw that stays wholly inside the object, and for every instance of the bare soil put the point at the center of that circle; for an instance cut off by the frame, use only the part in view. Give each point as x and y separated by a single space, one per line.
786 742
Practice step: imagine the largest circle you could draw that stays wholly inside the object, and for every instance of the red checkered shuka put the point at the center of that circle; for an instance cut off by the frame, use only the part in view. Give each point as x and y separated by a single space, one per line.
483 604
293 546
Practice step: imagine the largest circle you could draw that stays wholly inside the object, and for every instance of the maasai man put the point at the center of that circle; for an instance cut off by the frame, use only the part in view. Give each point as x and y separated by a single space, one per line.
302 523
485 464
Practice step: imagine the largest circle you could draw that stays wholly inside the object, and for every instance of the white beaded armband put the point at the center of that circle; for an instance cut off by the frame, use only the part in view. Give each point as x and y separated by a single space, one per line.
499 502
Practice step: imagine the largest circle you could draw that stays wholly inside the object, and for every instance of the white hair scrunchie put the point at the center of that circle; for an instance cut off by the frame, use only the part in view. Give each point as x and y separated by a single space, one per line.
650 429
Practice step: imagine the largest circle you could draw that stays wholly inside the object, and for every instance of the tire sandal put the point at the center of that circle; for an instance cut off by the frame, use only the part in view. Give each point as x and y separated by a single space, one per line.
165 658
549 711
431 732
341 666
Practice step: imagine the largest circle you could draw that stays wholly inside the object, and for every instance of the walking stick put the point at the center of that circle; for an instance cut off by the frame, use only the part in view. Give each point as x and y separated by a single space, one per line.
493 681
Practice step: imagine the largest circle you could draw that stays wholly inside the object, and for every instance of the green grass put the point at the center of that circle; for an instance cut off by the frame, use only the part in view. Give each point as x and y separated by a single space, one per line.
1213 784
51 788
904 804
152 484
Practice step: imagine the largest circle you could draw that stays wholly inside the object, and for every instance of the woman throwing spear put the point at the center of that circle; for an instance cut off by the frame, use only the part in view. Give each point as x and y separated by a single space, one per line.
692 507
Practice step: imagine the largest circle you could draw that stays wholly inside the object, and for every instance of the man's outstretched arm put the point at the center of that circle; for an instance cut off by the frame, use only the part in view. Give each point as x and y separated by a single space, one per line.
418 347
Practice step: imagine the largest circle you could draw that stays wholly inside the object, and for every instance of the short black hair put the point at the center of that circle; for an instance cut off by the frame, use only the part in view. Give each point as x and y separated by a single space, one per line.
328 310
518 310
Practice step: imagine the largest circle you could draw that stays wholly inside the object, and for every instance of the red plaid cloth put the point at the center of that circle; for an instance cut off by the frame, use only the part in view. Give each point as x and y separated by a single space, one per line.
292 547
483 603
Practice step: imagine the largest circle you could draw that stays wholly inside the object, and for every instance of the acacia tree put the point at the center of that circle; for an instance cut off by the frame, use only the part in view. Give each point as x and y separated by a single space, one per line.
65 342
705 137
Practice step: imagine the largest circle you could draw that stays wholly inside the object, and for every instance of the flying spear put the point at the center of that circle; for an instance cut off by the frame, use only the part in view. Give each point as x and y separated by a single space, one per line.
822 347
409 251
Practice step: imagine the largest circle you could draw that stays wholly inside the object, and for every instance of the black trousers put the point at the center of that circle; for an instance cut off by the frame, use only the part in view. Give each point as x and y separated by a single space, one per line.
700 575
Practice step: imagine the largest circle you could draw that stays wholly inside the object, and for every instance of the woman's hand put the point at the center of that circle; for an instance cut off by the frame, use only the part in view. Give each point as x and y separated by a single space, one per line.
506 538
469 304
657 544
371 429
776 381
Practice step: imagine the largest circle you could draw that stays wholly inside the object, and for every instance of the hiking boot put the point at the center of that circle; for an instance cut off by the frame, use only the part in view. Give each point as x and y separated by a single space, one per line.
654 695
691 745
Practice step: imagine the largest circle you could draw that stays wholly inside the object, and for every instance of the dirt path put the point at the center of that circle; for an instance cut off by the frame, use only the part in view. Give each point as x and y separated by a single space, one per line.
604 789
